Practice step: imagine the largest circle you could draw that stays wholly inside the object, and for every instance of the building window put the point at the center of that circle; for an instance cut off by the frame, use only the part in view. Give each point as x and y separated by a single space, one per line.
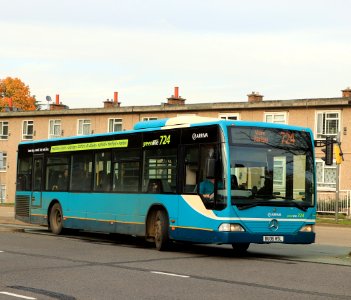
326 176
229 116
279 171
54 129
114 125
28 130
276 117
4 130
2 193
84 127
327 124
3 161
149 118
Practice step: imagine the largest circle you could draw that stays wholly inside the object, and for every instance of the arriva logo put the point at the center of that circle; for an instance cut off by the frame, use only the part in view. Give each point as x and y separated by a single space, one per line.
199 135
274 214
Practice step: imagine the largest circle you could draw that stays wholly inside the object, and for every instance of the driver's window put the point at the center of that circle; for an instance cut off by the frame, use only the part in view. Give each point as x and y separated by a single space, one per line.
191 169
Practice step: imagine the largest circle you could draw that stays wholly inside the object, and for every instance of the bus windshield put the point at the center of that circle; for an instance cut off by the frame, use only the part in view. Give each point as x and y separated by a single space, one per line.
271 166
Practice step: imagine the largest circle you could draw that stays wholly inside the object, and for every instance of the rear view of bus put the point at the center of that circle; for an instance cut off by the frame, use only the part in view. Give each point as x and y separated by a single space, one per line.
272 187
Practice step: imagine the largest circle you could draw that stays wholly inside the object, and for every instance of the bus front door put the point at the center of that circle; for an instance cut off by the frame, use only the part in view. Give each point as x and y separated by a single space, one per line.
36 198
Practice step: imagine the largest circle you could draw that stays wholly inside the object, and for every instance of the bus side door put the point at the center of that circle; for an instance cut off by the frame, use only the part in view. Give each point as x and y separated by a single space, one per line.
36 197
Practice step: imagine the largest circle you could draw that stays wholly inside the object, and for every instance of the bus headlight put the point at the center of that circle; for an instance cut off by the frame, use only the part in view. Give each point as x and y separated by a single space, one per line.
230 227
307 228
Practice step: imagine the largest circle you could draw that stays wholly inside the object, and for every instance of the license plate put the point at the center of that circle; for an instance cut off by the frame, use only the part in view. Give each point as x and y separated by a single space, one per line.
273 239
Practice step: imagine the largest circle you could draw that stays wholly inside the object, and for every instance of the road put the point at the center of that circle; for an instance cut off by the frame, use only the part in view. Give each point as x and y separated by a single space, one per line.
37 265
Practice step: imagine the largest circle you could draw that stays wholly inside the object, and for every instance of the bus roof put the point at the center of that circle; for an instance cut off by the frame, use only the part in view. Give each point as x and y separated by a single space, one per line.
176 122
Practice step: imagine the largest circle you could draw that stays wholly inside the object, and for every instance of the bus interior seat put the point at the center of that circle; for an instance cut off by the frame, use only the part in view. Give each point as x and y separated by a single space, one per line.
166 188
104 181
154 186
190 188
234 182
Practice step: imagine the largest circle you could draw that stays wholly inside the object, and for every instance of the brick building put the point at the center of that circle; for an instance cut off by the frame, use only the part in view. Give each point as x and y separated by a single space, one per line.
325 116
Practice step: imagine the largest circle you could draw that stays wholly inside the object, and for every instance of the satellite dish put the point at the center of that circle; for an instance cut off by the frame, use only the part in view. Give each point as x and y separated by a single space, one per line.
48 98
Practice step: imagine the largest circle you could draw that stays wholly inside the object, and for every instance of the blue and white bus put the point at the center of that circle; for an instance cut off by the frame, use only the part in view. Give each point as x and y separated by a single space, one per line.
150 182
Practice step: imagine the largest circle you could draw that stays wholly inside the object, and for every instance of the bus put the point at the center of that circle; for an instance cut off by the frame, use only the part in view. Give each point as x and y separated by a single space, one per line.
188 179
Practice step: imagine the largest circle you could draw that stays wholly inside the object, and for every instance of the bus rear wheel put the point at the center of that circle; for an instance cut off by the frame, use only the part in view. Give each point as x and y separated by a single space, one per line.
56 219
240 248
161 226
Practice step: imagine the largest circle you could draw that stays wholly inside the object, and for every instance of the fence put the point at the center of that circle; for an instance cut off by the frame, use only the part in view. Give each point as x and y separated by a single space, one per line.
326 202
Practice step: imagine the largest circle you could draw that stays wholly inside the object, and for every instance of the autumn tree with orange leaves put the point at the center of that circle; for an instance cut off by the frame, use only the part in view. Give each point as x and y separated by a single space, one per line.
15 94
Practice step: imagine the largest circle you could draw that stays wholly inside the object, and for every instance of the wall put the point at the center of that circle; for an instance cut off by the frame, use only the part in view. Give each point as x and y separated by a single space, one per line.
299 112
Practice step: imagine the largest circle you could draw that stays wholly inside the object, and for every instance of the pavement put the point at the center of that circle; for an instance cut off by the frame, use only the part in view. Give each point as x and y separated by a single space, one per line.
7 216
334 235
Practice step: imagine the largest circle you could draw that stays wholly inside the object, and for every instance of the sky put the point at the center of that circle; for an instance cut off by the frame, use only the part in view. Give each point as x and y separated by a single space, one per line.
214 51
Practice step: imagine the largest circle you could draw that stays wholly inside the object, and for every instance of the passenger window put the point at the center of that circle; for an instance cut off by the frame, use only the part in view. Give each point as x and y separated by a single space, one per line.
160 171
102 178
57 173
126 170
81 170
24 178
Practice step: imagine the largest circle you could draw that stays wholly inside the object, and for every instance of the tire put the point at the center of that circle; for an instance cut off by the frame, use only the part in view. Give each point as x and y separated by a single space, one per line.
240 248
56 219
161 227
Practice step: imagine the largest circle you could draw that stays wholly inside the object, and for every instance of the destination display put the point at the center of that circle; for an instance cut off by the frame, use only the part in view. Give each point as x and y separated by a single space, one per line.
269 137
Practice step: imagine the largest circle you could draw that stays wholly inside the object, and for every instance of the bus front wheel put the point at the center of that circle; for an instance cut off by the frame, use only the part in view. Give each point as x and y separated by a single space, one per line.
56 219
161 230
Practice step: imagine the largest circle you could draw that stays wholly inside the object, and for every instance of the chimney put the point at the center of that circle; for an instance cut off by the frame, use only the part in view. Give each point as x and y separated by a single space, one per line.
176 99
176 92
110 104
254 97
58 105
346 93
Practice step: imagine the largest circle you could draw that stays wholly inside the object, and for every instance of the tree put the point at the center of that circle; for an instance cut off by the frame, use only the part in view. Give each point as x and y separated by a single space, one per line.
15 94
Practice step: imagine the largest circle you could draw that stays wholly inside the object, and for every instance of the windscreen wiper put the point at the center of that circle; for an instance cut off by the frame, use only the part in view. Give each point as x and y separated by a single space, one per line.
298 205
252 204
291 202
246 206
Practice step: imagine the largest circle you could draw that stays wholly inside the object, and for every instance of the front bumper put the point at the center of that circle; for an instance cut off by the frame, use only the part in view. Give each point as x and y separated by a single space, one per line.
217 237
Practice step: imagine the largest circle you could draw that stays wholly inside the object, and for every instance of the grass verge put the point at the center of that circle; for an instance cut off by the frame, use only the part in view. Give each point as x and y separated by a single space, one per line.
330 220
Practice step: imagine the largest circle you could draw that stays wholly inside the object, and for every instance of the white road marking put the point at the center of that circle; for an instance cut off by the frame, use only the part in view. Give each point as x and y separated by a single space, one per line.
18 296
170 274
1 251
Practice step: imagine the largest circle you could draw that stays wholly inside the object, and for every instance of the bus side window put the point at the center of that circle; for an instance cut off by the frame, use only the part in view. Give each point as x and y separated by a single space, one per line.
102 178
160 164
24 177
81 172
126 170
155 186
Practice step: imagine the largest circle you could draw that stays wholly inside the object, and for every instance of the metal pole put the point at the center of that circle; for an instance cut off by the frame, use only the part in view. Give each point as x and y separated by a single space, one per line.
337 194
337 186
